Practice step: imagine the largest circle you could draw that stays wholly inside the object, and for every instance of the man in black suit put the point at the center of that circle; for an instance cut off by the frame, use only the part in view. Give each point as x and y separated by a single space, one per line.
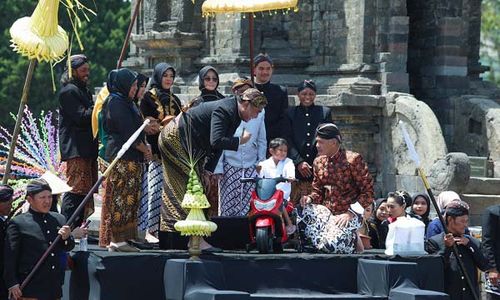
457 219
491 248
28 236
6 193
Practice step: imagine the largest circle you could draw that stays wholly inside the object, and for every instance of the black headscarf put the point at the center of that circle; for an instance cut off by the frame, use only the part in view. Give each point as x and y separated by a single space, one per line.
207 95
124 80
141 78
425 217
203 72
6 193
110 84
158 72
378 203
307 84
36 186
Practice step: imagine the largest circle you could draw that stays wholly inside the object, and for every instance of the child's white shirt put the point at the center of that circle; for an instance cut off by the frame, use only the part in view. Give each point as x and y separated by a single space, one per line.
284 168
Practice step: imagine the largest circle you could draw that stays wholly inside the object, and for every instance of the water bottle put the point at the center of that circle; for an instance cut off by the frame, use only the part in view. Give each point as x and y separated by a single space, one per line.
83 243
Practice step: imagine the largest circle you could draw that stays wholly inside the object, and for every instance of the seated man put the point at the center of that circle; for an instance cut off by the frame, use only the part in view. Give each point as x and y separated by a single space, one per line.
457 218
28 236
341 178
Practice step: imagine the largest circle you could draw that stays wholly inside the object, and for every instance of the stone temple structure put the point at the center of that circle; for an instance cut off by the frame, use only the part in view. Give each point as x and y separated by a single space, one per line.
376 62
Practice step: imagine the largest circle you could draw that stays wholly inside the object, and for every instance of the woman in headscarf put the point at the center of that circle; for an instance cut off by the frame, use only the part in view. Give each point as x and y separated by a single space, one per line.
377 227
208 82
304 119
160 105
420 208
435 227
233 165
202 133
121 197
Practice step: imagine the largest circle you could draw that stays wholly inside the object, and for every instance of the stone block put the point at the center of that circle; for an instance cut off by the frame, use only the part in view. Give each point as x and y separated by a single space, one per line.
452 50
483 185
453 82
450 173
398 48
450 60
451 26
394 88
395 78
478 203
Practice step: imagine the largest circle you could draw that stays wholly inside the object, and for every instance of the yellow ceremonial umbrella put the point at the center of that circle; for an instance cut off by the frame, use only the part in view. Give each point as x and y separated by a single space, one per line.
212 7
40 38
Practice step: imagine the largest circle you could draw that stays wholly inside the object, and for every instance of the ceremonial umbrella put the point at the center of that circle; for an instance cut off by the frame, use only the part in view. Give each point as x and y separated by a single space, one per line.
212 7
40 38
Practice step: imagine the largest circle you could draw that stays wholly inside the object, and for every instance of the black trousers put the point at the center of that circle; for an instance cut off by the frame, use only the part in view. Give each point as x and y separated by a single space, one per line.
70 203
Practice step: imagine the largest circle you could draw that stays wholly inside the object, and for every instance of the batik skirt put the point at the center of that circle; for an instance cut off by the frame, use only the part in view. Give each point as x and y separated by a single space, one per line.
175 176
121 203
234 195
81 174
320 230
151 197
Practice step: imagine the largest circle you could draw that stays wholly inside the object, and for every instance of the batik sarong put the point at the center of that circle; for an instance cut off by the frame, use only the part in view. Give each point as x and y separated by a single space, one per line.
234 195
120 203
81 175
176 174
151 197
322 232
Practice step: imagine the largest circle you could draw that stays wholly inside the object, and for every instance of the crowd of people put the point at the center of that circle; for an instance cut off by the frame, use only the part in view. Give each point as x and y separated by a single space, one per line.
252 132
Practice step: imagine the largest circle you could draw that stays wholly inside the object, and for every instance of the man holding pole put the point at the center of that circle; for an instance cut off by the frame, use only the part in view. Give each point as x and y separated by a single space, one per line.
76 142
28 236
457 218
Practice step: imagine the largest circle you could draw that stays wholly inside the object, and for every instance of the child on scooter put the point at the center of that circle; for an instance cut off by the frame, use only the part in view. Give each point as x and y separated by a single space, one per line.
280 165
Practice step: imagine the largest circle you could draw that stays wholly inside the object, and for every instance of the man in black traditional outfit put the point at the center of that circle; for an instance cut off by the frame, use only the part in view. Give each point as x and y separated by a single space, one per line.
457 218
203 132
304 119
6 193
78 147
28 236
277 97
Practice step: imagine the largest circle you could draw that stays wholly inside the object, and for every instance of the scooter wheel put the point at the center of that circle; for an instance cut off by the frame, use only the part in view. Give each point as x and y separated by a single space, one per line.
263 241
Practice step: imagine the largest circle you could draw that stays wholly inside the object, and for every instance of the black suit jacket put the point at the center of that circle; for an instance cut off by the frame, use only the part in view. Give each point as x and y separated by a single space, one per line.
210 127
455 284
491 235
28 236
75 129
303 122
3 288
277 103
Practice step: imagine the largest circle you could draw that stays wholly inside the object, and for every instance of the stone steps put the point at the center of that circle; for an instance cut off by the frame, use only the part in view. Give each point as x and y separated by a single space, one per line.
478 203
483 185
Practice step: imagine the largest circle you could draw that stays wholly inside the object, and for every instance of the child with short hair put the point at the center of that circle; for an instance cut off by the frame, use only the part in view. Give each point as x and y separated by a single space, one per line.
280 165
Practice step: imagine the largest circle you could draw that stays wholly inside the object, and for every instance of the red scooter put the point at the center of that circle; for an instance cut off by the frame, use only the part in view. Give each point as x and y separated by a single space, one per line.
267 230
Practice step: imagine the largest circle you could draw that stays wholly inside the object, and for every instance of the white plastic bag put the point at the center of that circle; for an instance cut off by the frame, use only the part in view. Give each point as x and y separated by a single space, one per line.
405 237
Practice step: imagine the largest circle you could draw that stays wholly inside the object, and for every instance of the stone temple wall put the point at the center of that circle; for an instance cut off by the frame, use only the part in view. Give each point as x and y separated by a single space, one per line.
365 56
